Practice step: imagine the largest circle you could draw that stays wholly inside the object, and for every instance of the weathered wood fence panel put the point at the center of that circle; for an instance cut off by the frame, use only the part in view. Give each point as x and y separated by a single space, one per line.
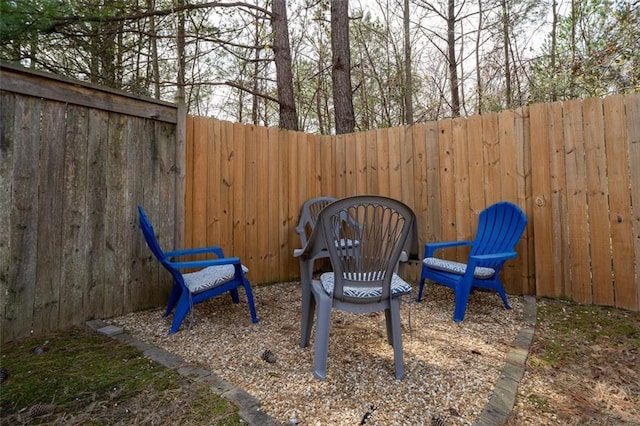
75 161
572 166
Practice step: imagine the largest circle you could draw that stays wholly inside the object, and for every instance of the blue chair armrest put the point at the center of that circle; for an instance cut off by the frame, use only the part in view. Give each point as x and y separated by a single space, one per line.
202 250
483 258
206 263
430 248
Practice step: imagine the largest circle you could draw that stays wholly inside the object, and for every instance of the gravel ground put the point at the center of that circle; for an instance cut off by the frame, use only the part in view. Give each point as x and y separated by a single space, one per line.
451 368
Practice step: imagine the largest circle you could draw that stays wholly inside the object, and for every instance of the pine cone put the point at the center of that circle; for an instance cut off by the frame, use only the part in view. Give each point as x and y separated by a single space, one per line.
269 356
438 421
38 410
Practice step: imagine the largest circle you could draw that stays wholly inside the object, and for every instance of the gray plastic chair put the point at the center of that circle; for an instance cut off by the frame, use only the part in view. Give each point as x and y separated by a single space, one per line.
309 216
363 278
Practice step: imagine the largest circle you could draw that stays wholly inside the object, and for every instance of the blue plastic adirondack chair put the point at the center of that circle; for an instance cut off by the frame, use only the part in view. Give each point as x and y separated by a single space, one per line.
500 227
218 276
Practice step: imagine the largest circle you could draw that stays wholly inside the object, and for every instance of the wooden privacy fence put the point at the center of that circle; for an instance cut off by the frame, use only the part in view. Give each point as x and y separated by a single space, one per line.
75 161
573 167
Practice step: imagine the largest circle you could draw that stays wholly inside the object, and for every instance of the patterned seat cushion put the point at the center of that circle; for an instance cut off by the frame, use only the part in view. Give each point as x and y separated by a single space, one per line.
210 277
398 287
458 268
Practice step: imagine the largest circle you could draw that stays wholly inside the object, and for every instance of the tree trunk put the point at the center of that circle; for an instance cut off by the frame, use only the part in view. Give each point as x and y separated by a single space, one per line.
453 64
408 82
479 86
284 75
554 49
180 46
507 60
341 67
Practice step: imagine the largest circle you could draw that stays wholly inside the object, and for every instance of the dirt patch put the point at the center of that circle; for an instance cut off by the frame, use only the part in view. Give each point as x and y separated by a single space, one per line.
583 368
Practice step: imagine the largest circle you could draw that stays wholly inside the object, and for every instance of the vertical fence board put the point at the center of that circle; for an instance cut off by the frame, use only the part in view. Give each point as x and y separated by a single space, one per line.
632 109
351 181
7 135
492 161
327 171
283 207
509 187
447 180
74 248
434 204
277 246
394 142
561 268
577 203
463 216
263 206
382 145
167 219
250 246
372 162
23 221
407 167
542 219
617 156
525 248
50 206
420 190
227 188
115 257
476 169
96 212
340 164
360 163
598 200
237 165
214 183
189 183
138 176
200 178
293 196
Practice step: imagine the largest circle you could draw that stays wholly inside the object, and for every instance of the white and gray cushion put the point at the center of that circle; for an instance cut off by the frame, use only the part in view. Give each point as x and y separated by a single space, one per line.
458 268
210 277
398 287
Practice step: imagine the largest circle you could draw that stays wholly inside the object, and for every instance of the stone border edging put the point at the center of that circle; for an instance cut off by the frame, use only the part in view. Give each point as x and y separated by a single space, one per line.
501 402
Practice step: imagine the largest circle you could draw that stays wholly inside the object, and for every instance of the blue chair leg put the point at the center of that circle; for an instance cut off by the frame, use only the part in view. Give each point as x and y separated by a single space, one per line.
173 298
503 295
182 309
234 295
252 306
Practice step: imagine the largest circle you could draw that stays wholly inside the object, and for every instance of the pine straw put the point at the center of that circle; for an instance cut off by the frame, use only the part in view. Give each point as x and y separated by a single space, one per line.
451 368
583 368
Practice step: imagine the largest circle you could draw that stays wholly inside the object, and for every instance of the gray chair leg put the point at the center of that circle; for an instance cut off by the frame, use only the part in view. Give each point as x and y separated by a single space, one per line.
388 322
308 303
397 338
323 324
